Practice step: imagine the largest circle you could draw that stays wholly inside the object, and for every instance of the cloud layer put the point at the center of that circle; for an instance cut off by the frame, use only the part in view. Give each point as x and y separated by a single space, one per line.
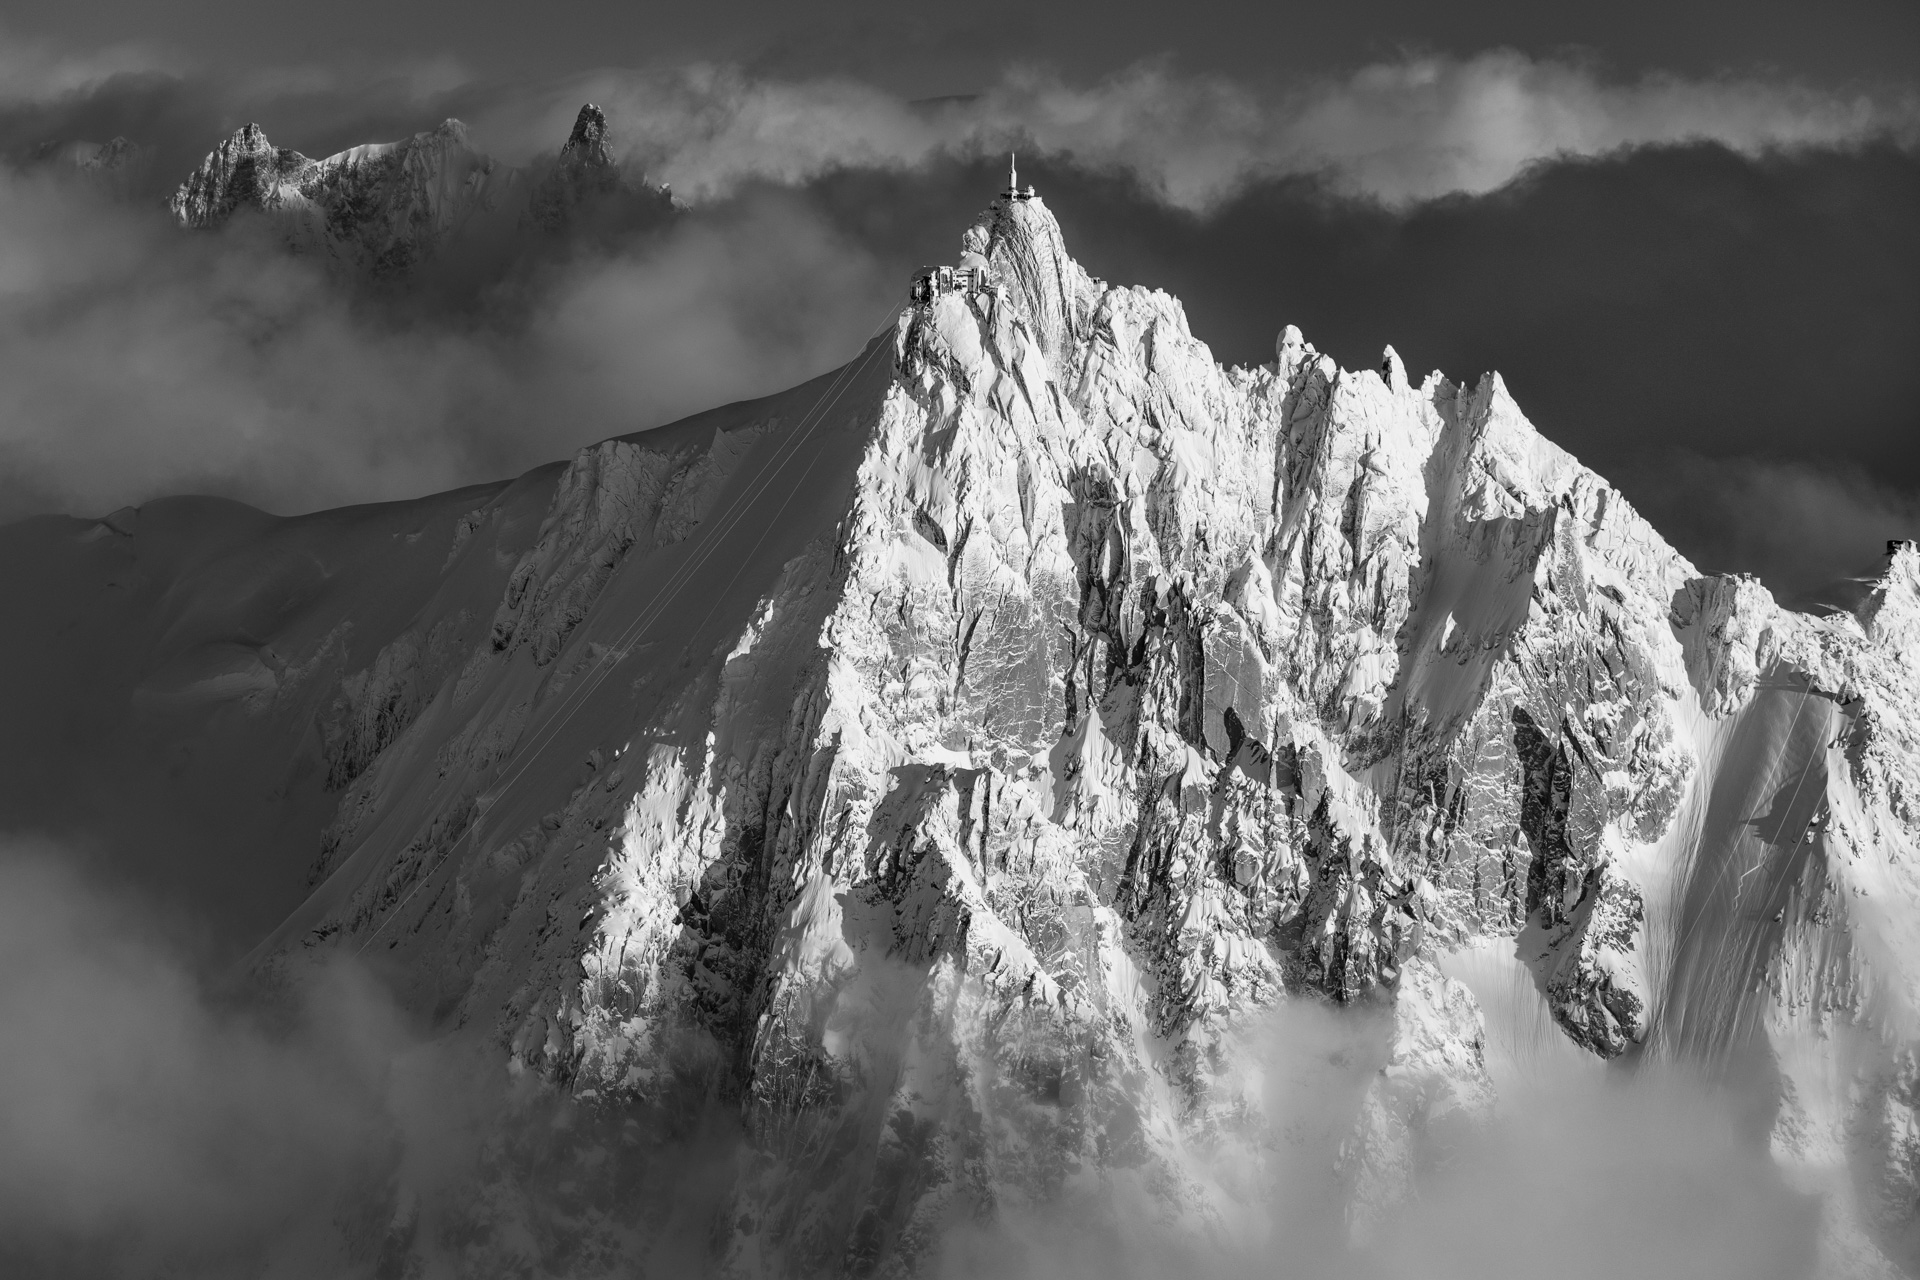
137 361
148 1127
1818 529
153 1123
1583 1172
1414 128
1401 132
139 1124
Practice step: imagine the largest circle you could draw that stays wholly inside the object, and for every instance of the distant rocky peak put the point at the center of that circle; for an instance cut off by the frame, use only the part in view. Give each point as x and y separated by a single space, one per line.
117 168
585 174
116 154
385 207
244 169
590 141
249 141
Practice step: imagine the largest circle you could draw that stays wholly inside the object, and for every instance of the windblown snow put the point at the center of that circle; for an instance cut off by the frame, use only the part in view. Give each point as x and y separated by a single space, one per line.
948 762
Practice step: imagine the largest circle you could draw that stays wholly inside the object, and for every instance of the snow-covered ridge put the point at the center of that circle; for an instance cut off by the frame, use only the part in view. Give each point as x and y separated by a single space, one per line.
951 761
385 207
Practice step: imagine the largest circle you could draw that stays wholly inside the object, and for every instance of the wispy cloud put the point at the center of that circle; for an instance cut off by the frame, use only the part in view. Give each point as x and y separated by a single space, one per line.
136 361
1654 1154
1403 131
150 1128
35 70
139 1123
1803 524
152 1125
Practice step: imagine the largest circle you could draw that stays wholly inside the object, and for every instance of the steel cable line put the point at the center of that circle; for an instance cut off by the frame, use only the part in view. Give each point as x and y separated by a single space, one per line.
655 607
649 613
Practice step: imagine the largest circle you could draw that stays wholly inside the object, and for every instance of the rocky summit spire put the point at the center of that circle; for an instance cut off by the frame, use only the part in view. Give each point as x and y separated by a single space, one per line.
381 207
586 171
243 169
588 144
1021 243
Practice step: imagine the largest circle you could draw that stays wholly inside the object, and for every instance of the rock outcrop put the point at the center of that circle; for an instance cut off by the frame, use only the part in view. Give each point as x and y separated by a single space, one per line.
585 172
383 207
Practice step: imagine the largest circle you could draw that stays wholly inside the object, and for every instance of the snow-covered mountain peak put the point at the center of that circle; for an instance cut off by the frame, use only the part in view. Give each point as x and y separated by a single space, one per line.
1020 240
380 206
952 763
244 169
589 142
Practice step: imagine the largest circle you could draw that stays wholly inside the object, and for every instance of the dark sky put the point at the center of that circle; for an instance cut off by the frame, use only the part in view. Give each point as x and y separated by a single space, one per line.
938 49
1732 341
1723 325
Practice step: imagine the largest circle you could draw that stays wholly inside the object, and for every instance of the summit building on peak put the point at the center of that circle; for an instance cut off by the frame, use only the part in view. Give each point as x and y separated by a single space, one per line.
972 274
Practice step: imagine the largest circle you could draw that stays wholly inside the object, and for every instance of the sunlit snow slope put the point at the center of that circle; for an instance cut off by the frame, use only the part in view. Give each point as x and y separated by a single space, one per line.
946 761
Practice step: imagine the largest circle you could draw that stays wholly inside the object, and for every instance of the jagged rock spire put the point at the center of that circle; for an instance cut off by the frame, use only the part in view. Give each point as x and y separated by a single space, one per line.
243 169
589 143
1021 242
383 206
586 171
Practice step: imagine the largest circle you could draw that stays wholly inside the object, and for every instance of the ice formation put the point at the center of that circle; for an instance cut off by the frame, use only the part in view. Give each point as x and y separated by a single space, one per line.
946 762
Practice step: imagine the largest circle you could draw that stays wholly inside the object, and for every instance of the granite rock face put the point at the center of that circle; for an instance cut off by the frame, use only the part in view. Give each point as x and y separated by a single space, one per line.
585 172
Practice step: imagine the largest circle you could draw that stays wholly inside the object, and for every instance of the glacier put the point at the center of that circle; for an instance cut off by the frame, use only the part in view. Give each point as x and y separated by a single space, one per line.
951 766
